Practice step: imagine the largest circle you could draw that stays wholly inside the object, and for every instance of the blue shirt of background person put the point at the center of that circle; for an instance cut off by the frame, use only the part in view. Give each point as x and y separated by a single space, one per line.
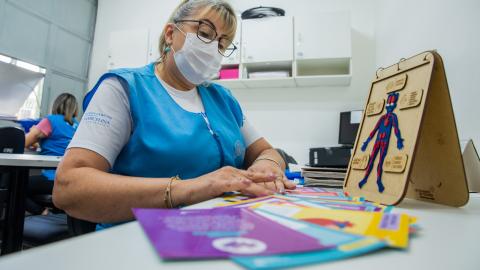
54 132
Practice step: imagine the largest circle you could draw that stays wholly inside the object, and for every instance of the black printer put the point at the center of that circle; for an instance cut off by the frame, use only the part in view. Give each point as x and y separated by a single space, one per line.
338 156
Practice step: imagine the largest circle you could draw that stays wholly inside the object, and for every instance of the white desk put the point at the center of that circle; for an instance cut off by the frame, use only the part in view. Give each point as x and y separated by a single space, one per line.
18 166
29 160
449 239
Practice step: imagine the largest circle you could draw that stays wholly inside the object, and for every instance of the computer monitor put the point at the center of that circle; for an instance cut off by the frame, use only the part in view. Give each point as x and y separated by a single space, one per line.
349 123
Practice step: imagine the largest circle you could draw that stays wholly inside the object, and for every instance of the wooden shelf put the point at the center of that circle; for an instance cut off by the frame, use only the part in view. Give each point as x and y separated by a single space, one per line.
323 72
323 80
258 83
269 82
322 67
231 83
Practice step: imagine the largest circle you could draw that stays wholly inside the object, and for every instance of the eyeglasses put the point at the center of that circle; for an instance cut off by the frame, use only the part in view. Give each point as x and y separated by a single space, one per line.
206 32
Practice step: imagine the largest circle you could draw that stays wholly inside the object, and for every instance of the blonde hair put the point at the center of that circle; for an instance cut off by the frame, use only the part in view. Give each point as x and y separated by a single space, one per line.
188 7
66 105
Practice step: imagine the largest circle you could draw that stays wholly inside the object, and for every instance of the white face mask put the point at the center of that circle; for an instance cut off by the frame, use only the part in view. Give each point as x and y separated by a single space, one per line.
198 61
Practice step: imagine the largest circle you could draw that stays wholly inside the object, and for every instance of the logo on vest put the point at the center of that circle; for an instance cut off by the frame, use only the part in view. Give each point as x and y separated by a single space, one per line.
97 118
239 150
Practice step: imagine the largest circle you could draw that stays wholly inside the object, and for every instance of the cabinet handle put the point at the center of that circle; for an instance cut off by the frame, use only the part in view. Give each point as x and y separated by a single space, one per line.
244 52
299 43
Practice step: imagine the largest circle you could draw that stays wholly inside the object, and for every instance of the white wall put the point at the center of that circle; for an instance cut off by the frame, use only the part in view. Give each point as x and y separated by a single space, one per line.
404 28
293 119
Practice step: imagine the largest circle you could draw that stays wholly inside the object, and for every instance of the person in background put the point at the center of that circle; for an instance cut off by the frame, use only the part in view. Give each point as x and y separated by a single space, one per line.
163 135
53 134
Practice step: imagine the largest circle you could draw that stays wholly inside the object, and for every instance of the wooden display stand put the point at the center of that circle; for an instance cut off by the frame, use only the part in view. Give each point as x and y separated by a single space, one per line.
410 121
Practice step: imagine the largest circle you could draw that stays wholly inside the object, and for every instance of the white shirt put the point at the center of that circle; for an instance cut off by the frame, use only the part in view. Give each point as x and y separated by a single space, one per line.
106 125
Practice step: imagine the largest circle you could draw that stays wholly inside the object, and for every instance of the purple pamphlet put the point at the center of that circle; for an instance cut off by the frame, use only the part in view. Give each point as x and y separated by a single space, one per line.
219 233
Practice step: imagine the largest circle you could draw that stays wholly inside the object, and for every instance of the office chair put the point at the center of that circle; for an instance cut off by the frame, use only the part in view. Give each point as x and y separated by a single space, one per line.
78 227
41 230
12 140
37 229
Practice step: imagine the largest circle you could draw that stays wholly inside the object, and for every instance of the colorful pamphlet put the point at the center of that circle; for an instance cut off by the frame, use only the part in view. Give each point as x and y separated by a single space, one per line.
331 203
393 228
314 191
345 245
230 197
353 205
255 201
304 226
220 233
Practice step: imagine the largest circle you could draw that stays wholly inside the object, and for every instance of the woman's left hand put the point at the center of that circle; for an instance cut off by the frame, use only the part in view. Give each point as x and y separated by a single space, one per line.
271 168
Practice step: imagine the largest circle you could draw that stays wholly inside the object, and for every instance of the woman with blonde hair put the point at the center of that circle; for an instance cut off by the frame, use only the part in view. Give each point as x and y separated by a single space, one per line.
53 134
163 135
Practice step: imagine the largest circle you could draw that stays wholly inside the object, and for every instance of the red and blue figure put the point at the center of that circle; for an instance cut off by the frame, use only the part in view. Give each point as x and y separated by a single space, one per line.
384 129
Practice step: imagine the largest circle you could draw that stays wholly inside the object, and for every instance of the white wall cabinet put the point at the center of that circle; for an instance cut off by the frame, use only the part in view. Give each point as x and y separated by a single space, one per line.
267 40
315 49
323 37
323 49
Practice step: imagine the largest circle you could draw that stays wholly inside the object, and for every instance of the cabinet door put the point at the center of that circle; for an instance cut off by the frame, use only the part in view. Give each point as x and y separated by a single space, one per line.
234 59
267 39
324 35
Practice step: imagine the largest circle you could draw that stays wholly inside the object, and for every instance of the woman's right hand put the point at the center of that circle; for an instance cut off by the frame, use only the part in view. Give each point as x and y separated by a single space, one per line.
227 179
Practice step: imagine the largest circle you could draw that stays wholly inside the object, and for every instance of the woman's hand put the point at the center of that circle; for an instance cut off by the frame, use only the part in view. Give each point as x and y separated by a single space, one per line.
227 179
34 147
269 167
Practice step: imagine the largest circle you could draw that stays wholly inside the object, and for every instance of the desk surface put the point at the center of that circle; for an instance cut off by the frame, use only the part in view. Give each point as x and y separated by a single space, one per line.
29 160
449 239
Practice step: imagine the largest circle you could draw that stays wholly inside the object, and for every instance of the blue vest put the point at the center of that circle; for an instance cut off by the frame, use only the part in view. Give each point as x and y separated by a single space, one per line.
167 140
57 142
